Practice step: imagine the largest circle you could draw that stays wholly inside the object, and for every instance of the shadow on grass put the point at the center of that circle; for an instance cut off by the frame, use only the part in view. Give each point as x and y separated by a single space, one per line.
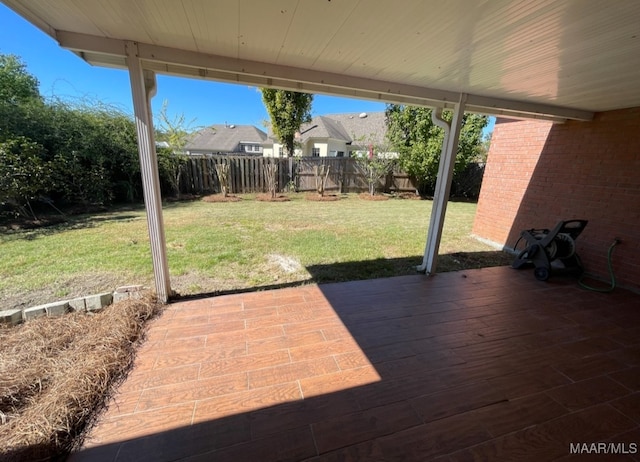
49 225
76 218
374 269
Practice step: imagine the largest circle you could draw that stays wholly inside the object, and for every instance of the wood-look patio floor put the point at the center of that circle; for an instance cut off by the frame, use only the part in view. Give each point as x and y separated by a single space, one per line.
483 364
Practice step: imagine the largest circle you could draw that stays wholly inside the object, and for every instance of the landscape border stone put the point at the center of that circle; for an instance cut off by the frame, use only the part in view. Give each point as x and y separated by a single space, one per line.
34 312
90 303
11 317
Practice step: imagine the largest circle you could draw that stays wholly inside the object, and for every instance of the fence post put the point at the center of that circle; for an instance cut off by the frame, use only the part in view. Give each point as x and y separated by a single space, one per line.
213 174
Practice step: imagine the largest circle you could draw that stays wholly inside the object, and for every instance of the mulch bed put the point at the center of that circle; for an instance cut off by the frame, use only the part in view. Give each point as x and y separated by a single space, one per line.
408 195
319 198
221 198
369 197
56 374
268 198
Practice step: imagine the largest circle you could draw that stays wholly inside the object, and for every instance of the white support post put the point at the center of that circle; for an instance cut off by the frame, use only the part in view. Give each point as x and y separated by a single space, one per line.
142 89
443 183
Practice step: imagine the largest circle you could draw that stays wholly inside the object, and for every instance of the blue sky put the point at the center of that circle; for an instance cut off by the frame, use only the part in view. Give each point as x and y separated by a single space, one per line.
64 75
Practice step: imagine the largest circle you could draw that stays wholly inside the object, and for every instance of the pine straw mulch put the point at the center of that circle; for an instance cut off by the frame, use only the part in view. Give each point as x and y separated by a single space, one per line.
269 198
409 196
318 198
369 197
221 198
56 374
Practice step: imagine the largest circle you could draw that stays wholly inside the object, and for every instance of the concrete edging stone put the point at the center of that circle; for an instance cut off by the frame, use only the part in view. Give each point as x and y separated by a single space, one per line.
90 303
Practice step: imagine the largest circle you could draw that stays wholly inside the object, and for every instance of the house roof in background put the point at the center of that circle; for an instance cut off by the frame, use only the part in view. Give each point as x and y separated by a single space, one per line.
554 59
322 127
224 138
367 126
350 127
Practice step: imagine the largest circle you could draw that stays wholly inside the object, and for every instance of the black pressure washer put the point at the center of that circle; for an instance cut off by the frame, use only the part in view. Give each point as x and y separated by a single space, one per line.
551 250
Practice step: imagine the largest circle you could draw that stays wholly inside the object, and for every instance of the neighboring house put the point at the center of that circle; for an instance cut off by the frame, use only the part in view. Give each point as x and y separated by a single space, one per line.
336 135
227 139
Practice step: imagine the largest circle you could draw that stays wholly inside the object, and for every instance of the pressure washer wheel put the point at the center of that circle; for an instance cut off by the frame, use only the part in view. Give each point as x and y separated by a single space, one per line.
541 273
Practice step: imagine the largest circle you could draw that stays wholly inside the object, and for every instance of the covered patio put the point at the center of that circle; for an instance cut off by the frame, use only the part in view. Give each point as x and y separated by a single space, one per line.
475 365
485 364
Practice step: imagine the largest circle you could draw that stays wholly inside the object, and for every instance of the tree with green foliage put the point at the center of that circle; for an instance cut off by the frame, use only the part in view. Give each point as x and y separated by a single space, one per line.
484 147
94 153
87 150
288 110
23 174
20 101
16 84
375 161
418 141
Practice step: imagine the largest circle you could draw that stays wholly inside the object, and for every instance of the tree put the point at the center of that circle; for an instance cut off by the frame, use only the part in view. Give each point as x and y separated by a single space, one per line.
288 110
20 101
418 141
85 151
484 147
321 175
175 132
93 151
270 172
222 170
16 84
375 162
23 174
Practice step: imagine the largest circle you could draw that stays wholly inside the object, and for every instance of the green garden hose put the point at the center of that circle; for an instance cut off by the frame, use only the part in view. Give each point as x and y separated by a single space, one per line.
611 275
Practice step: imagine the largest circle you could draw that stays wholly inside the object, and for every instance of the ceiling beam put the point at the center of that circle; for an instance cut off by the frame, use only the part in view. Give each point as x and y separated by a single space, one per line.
194 64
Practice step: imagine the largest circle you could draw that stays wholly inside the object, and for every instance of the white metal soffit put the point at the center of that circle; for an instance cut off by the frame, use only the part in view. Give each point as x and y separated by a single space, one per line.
550 59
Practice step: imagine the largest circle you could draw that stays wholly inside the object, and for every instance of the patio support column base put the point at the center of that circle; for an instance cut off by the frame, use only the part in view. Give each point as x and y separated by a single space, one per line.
143 86
443 183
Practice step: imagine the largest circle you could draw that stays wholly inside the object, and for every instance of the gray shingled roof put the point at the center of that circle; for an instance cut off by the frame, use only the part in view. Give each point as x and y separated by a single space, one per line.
323 127
347 127
223 138
372 128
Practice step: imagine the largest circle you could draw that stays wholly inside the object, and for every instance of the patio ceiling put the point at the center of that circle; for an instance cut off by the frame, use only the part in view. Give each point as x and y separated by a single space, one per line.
554 59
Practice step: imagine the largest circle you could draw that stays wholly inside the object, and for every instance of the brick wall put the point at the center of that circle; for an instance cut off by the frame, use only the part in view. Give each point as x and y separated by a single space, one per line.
539 173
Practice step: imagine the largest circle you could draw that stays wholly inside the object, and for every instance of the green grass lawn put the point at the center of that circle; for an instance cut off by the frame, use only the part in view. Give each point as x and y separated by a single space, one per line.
227 246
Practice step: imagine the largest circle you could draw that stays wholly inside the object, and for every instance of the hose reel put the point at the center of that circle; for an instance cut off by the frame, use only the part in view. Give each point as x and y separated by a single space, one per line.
545 247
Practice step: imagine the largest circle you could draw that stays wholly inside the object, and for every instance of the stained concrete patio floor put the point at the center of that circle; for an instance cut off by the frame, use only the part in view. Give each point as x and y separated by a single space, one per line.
485 364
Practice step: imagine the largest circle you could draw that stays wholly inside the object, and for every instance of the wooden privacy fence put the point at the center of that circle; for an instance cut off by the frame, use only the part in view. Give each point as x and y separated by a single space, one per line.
246 175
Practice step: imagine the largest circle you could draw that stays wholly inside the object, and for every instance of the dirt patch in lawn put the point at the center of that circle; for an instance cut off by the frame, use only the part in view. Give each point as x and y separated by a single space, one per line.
285 263
56 374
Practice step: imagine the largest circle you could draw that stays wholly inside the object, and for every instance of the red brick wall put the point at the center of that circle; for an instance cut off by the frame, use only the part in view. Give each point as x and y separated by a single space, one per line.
539 173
